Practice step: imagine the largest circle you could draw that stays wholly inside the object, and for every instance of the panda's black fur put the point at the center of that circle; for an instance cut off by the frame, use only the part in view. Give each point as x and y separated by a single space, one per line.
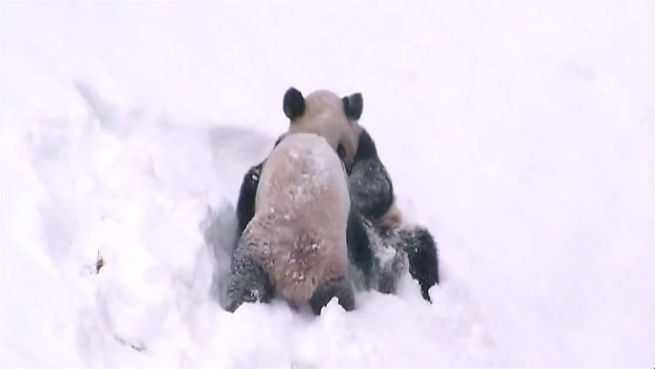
374 222
247 193
371 189
371 192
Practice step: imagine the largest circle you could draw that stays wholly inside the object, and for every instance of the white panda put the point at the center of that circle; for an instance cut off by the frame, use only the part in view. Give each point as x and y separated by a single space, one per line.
295 244
374 228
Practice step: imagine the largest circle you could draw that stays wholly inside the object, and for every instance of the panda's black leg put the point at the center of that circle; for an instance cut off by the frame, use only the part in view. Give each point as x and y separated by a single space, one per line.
339 288
390 273
248 281
359 247
422 256
247 193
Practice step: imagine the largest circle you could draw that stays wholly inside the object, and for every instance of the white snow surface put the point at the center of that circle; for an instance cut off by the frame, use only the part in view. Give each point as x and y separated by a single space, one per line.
521 134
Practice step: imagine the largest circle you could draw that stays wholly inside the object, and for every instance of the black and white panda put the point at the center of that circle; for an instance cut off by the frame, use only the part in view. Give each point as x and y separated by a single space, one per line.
295 244
378 243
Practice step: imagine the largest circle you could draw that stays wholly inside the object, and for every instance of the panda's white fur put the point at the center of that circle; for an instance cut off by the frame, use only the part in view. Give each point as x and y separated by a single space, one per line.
298 232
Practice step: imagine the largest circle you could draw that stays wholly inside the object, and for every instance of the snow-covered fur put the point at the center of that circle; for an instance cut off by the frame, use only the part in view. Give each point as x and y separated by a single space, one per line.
376 225
392 245
295 245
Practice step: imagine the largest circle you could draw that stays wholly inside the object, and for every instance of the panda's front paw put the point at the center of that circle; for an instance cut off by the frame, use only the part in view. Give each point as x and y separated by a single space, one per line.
254 174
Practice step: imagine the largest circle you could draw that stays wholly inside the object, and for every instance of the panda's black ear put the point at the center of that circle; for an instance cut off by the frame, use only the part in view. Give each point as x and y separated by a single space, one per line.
353 106
293 104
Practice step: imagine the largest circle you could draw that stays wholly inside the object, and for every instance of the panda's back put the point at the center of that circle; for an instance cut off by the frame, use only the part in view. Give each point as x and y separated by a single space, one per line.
303 174
299 229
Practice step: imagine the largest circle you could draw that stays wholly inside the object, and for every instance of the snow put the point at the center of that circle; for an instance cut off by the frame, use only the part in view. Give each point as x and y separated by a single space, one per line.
520 134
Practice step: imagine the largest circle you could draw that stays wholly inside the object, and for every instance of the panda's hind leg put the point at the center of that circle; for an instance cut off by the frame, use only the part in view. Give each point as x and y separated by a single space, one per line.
339 288
422 256
359 247
248 281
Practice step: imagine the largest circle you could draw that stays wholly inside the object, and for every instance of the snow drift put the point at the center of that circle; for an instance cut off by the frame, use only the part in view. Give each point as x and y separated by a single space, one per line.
520 134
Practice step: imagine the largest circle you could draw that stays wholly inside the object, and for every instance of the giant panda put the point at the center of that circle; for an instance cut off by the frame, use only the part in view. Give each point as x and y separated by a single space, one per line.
295 244
375 228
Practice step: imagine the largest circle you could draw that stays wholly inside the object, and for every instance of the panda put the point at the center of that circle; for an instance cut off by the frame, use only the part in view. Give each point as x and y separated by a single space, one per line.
379 245
295 244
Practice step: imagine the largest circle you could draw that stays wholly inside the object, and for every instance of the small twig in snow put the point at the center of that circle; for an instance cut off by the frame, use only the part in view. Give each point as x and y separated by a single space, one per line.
100 262
139 346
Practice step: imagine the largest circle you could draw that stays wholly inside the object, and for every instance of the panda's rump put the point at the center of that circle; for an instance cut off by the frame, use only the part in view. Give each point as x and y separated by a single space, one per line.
302 206
297 259
298 267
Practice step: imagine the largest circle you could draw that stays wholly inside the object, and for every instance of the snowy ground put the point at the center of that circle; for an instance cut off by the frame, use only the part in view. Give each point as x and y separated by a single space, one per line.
522 135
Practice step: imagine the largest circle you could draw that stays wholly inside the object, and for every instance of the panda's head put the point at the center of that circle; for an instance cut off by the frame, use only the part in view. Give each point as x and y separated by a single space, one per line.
328 115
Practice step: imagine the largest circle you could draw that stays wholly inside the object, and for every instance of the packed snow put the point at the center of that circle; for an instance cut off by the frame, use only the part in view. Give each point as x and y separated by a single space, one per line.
521 134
